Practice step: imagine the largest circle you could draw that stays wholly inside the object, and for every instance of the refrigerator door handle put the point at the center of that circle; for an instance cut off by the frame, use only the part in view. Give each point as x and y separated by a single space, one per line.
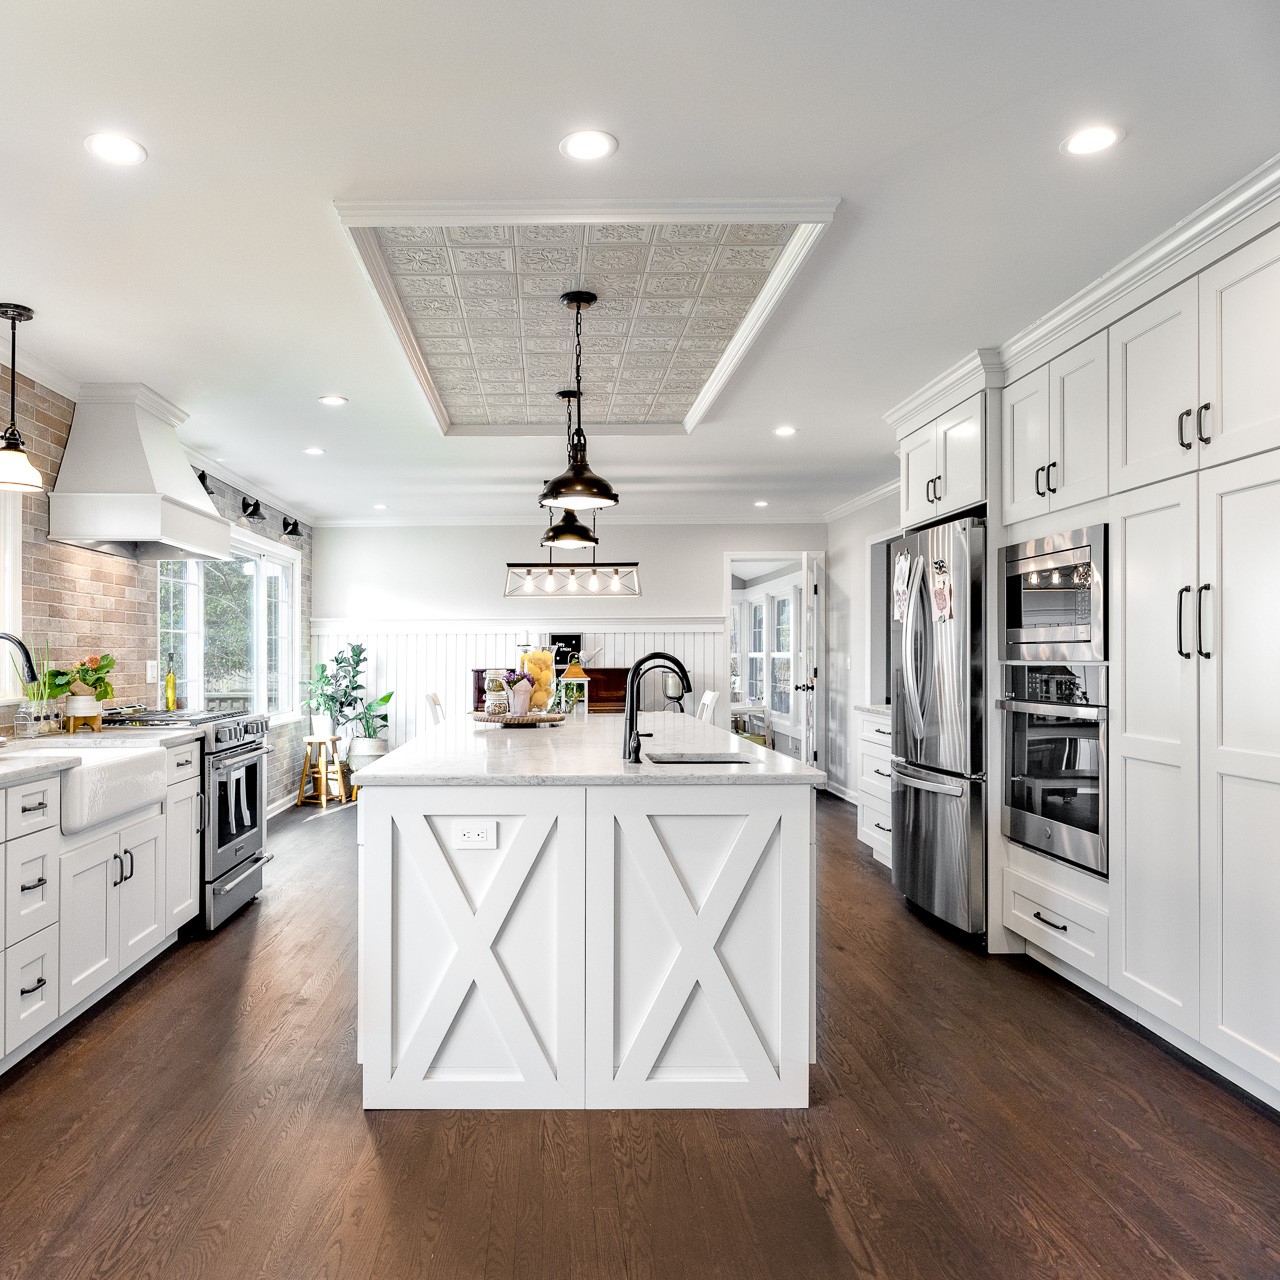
908 650
920 784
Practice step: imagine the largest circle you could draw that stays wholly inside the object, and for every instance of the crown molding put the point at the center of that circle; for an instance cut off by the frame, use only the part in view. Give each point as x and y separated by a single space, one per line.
137 393
534 623
250 488
465 213
1185 238
41 371
863 500
978 371
533 522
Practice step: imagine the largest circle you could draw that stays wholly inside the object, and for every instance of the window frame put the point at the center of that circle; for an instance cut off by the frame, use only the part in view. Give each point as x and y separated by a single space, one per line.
774 653
754 654
11 589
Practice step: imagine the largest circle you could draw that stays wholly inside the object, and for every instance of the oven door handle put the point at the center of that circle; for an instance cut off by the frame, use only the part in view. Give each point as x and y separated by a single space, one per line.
244 875
220 765
1065 710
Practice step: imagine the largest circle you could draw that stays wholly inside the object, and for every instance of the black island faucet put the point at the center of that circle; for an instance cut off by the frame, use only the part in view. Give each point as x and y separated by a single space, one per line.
650 662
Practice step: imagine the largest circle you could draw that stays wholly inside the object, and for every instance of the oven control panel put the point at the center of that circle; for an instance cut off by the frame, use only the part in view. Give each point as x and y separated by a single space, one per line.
1071 684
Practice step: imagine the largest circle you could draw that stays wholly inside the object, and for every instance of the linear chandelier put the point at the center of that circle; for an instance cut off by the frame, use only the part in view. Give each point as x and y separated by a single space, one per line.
546 578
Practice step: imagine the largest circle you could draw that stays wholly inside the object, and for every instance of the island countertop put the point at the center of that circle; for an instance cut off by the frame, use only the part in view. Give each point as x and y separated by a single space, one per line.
583 751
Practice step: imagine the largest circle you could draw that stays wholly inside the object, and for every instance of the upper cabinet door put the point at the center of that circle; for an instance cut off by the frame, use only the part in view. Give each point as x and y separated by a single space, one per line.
961 458
1078 425
1154 390
918 470
1025 435
1240 763
1239 408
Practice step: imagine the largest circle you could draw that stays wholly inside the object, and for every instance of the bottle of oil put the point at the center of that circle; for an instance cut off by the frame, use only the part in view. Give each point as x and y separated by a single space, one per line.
170 688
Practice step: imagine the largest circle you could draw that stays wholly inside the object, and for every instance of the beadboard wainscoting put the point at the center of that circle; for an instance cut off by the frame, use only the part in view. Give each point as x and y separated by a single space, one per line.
414 658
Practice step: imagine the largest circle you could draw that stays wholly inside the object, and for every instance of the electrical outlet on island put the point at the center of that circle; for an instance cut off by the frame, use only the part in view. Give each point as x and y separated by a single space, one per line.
475 833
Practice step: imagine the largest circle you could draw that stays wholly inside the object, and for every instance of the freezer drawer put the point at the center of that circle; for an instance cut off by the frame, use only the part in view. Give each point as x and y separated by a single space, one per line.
939 844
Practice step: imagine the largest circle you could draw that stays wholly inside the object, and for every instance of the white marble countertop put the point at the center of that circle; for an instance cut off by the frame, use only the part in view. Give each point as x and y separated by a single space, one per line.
16 769
584 751
874 709
29 759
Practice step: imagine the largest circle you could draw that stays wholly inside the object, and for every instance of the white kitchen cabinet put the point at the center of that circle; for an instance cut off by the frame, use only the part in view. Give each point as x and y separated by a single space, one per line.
1154 752
32 806
873 773
182 821
1240 763
1025 454
31 885
143 911
1076 469
943 464
918 468
1238 410
1154 390
89 915
30 986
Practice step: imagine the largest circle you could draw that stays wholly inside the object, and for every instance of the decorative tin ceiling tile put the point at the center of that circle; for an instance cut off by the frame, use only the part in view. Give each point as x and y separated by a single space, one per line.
484 306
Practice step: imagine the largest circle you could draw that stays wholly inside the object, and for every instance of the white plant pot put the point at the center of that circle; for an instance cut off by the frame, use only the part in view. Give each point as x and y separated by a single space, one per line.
82 705
363 751
321 725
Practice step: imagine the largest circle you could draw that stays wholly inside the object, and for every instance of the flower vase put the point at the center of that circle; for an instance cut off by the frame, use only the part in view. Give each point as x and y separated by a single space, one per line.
521 692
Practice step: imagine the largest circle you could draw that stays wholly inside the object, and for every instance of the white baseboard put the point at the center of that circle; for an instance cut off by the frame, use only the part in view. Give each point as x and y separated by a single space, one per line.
849 797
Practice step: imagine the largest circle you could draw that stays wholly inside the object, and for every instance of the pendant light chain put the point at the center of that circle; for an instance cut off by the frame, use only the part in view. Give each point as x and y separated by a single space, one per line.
577 357
13 376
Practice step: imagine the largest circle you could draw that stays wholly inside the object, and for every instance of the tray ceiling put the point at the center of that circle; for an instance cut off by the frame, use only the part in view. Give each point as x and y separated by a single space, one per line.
477 308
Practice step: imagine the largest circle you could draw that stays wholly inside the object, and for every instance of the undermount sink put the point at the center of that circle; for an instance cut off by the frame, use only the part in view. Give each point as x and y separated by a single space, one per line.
108 782
698 757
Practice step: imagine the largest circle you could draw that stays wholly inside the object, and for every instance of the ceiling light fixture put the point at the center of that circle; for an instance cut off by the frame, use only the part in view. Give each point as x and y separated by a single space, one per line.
762 504
379 506
569 531
292 529
1087 142
17 475
314 452
784 431
588 144
577 487
333 400
205 483
115 148
563 580
252 510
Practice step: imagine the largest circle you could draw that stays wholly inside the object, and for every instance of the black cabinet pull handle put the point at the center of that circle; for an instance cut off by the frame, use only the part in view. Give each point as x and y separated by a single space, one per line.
128 853
1062 928
937 488
1040 493
182 764
928 492
1200 412
1048 477
880 773
1200 594
1182 417
886 830
35 808
888 733
1182 653
31 990
34 885
115 884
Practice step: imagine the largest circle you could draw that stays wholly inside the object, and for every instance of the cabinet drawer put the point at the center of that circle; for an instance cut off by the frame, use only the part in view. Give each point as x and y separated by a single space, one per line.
30 986
873 773
31 807
876 729
1064 926
875 828
183 762
31 884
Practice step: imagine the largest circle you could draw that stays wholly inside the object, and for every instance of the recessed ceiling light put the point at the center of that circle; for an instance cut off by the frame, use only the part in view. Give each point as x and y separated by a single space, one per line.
379 506
1097 137
313 451
588 144
331 399
784 431
219 459
762 504
115 148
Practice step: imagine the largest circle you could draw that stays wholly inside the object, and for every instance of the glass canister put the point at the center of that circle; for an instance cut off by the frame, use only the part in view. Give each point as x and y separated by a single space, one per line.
497 701
25 722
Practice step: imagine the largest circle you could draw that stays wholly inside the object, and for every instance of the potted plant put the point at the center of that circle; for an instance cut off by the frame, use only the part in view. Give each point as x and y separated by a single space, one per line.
322 701
35 714
86 685
333 694
369 720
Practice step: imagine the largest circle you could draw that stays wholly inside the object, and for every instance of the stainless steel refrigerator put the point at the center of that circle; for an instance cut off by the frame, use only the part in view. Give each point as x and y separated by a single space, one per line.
939 824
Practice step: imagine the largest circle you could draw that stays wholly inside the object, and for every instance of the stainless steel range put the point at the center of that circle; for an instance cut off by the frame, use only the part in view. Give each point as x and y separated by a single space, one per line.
232 799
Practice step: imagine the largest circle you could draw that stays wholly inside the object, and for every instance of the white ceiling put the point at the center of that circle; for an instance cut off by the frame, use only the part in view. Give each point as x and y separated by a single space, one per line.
218 272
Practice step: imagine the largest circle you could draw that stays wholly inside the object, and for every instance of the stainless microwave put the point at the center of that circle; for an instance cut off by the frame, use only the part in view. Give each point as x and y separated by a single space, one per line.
1053 605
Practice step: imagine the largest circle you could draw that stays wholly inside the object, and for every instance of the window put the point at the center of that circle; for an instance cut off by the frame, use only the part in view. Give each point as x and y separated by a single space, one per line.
735 654
755 654
230 628
780 682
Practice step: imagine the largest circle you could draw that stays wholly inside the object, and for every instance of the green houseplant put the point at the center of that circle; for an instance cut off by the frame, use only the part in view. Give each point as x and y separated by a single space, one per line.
89 674
366 714
334 690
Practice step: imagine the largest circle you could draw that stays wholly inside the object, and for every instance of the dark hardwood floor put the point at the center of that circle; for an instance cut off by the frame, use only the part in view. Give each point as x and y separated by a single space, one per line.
971 1117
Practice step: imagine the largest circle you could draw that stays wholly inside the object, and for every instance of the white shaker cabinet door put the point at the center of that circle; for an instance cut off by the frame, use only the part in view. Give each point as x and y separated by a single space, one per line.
182 853
143 916
1154 390
918 469
1239 408
89 916
1025 436
1154 748
962 462
1078 450
1240 764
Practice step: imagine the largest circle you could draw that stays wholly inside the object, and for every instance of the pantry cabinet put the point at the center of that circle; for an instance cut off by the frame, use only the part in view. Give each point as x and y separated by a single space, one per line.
943 464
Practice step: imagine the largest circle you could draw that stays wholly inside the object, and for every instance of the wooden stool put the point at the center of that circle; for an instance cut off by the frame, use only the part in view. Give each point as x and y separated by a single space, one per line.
321 767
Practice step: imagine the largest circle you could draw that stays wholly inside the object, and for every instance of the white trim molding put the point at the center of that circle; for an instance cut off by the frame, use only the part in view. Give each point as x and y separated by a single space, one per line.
220 471
863 500
523 521
44 374
978 371
536 625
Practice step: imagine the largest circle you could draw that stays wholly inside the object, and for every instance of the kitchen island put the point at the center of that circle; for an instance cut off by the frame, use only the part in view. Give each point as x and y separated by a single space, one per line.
543 924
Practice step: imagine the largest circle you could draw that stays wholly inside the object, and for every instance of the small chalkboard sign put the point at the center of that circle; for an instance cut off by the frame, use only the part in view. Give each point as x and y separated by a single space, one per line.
564 646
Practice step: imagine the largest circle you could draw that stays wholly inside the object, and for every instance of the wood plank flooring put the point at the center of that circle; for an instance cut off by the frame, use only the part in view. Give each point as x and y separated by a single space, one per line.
972 1117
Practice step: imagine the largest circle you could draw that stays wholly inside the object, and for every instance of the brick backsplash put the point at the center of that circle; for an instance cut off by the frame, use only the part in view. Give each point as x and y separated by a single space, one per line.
85 602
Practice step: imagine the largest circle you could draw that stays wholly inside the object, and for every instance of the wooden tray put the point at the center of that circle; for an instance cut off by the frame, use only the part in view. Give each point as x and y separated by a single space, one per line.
530 721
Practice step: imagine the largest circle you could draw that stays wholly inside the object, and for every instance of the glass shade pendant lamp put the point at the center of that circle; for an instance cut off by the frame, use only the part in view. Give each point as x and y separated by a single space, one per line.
17 475
569 531
577 487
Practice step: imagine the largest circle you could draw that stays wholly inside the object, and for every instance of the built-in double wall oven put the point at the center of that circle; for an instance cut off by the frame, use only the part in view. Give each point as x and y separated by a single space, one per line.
1055 696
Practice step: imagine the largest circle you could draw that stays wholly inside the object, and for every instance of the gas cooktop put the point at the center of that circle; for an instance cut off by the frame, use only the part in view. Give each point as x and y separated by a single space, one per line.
149 718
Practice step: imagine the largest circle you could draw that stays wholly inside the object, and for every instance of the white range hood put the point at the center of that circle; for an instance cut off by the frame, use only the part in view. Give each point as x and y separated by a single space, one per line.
125 485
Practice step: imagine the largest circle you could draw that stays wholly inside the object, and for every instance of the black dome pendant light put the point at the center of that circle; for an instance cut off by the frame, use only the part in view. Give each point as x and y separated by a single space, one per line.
17 474
577 488
569 531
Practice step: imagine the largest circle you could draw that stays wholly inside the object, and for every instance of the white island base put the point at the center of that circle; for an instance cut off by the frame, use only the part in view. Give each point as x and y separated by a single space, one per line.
640 936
